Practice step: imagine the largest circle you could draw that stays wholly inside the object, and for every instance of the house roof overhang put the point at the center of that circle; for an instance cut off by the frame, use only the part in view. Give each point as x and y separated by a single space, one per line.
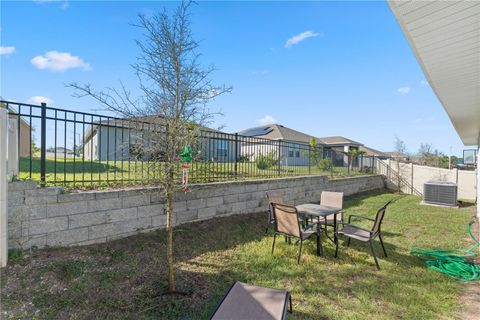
445 38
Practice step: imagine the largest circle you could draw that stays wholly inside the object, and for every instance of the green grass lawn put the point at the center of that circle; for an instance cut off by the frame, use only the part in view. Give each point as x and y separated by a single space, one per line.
123 279
92 174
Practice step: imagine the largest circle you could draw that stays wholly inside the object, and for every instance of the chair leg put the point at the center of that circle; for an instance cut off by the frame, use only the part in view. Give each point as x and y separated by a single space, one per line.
348 242
269 221
373 253
299 251
383 246
290 301
273 245
335 240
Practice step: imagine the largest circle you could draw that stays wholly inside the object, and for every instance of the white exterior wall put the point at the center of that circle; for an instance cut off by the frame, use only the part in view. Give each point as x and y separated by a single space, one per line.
478 178
90 148
3 186
254 150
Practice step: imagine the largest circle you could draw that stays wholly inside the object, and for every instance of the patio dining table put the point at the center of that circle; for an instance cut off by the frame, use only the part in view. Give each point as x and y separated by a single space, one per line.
317 210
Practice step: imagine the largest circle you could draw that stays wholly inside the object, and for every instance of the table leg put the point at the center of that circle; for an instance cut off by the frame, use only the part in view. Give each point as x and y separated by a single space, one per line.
335 237
319 240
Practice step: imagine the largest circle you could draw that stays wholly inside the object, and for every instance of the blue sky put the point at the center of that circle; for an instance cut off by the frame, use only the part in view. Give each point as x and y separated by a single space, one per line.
346 70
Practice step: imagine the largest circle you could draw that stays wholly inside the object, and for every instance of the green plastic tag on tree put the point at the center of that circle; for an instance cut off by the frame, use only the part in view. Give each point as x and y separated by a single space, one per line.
186 154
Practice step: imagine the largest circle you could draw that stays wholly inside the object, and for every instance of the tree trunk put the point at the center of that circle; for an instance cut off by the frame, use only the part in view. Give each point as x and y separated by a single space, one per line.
170 266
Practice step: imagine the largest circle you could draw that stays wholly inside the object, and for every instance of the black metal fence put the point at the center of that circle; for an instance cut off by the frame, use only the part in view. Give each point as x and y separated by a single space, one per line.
86 150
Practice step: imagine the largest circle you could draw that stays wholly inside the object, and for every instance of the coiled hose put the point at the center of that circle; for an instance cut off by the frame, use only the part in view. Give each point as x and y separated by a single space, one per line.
457 264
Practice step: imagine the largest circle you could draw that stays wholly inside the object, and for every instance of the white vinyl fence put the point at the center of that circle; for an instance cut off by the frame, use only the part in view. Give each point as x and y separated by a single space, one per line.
417 175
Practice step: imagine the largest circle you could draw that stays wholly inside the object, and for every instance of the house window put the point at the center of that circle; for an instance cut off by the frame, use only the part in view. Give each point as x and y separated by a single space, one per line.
297 154
290 153
222 150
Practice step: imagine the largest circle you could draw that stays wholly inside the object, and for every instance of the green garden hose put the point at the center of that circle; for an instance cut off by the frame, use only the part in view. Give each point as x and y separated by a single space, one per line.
457 264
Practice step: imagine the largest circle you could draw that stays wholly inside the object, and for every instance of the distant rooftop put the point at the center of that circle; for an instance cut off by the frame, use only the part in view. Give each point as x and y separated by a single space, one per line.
278 132
339 140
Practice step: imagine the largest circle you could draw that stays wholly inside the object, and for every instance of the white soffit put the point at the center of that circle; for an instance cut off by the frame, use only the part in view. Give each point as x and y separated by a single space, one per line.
445 37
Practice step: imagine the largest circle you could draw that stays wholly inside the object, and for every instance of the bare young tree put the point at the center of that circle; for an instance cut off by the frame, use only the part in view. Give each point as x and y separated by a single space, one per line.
176 90
399 153
400 147
351 155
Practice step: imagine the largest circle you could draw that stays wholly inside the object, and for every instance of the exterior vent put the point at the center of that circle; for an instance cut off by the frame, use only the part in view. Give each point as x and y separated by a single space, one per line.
440 192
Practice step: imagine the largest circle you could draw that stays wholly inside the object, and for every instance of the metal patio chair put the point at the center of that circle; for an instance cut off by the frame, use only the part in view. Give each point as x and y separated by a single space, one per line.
331 199
289 223
244 301
273 197
366 235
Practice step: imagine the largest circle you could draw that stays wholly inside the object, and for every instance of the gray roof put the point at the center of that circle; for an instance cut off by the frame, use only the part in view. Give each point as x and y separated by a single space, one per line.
278 132
372 152
339 140
127 123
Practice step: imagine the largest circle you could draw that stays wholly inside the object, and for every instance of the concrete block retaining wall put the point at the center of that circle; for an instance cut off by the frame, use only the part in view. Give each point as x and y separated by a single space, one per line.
47 217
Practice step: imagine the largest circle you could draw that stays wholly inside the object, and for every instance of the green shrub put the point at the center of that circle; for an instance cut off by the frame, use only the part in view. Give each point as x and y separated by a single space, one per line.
15 256
69 269
266 161
325 164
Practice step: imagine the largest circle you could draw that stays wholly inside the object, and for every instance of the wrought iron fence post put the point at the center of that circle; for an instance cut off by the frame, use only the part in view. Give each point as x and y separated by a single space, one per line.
43 142
309 159
279 158
236 155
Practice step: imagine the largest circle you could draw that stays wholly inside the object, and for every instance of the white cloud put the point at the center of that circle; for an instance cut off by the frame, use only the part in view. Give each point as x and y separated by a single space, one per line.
64 3
424 82
260 72
404 90
299 38
6 50
59 61
39 100
267 119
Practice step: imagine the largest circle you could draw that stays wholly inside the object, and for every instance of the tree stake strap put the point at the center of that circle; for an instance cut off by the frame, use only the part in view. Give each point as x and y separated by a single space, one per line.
186 156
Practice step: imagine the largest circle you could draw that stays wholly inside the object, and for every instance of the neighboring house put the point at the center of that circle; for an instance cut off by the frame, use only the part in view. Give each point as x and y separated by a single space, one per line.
25 132
59 153
292 149
337 146
340 144
118 139
372 152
